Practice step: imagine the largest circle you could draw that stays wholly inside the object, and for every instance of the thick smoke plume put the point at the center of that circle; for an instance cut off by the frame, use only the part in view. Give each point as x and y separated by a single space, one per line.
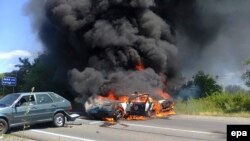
212 35
102 43
99 44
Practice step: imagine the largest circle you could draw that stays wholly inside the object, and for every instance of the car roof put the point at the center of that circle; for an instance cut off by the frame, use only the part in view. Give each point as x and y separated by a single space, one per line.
28 93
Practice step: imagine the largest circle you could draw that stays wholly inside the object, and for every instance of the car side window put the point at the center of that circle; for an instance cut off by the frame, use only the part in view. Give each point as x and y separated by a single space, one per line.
43 99
56 97
26 100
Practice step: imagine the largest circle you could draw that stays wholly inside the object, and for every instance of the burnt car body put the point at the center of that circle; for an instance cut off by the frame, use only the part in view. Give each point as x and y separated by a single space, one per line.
137 104
140 105
109 109
167 104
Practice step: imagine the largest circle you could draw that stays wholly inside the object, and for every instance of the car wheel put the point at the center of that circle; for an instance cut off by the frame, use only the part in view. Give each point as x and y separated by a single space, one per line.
59 120
3 126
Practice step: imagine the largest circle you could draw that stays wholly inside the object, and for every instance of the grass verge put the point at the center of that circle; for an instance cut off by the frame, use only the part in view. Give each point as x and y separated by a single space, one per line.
218 104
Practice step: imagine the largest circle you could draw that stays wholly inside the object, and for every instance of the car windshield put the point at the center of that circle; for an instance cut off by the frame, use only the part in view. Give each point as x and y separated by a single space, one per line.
8 100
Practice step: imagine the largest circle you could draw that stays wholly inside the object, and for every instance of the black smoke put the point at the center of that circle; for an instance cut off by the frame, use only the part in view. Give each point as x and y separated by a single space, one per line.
211 35
98 43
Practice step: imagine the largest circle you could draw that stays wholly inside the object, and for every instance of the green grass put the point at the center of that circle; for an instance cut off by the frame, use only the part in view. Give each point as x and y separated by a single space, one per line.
218 104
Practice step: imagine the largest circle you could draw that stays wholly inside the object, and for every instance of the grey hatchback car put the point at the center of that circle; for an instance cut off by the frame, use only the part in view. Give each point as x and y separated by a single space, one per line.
19 109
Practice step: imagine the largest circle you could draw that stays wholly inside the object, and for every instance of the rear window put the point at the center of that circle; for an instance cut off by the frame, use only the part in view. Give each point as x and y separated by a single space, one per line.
56 97
43 99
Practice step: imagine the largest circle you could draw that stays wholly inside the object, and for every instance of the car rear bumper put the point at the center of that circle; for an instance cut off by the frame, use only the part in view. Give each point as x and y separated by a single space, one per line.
71 117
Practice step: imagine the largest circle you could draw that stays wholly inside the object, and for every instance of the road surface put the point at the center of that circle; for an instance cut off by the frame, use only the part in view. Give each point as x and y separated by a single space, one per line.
176 128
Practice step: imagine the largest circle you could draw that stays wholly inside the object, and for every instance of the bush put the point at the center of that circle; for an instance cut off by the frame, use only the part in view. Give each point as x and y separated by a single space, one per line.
207 84
230 102
216 103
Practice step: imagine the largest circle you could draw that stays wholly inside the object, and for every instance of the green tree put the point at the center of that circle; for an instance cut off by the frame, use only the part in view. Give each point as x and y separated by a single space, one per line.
40 76
246 75
247 62
207 84
24 68
43 76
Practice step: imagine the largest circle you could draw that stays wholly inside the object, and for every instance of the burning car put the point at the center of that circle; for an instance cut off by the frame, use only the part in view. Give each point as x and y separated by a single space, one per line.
135 106
144 105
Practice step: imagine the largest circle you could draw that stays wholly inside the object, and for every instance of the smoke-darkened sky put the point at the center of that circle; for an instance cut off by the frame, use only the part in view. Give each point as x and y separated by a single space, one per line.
218 35
210 35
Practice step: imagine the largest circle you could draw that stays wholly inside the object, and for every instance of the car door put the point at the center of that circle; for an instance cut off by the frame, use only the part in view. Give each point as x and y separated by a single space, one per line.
45 107
24 110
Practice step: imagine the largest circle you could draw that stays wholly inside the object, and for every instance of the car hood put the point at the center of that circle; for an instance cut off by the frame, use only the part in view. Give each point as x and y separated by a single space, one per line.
2 106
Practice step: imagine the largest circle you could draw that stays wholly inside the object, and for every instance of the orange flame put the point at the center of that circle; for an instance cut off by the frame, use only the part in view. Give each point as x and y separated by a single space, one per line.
123 98
157 110
162 94
139 67
134 117
157 107
166 113
108 119
111 95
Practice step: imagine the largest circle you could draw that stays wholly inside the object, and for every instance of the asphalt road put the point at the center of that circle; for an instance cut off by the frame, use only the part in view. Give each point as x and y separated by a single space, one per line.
176 128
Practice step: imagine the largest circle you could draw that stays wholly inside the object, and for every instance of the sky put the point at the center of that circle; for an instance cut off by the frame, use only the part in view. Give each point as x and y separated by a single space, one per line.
17 38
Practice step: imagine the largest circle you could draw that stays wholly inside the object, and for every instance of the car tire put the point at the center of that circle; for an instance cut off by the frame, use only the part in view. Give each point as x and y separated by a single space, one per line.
3 126
59 120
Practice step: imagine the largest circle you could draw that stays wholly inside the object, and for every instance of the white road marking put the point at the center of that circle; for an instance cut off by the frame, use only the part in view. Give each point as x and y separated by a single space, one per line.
172 129
60 135
96 122
164 128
